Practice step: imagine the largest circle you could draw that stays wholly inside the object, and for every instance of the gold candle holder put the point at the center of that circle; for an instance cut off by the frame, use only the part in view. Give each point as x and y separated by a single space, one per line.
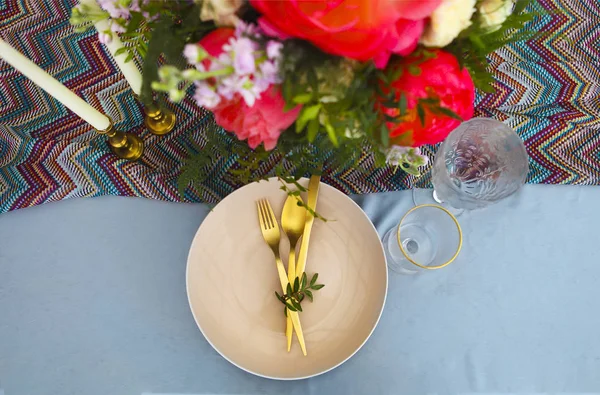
159 121
124 145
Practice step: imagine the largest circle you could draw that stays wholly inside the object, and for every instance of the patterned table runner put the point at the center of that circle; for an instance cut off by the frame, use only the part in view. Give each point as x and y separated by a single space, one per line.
548 89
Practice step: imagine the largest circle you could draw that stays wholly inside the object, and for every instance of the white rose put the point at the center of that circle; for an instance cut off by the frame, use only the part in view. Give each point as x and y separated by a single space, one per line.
221 11
447 21
494 13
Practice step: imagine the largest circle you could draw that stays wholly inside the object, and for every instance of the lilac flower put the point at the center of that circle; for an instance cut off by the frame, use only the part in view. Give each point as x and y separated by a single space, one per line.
231 85
194 54
244 68
105 37
117 27
114 9
223 60
250 95
242 51
274 49
270 72
243 29
205 96
242 85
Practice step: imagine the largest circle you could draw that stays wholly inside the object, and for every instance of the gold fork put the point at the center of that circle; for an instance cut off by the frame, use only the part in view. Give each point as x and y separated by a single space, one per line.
272 236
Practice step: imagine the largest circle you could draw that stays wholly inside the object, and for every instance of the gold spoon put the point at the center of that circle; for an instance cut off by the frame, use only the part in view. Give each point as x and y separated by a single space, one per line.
293 219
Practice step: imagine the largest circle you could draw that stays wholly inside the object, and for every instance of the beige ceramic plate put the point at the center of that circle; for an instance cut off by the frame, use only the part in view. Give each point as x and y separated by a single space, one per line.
231 279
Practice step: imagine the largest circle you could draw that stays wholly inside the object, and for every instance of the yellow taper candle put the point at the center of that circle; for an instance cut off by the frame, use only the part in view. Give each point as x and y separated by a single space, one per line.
60 92
129 69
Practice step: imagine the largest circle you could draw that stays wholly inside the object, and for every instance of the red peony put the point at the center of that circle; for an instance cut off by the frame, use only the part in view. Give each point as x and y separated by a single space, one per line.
261 123
358 29
440 78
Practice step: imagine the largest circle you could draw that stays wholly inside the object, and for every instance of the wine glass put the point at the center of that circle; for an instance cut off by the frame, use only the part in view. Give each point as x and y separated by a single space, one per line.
428 237
479 163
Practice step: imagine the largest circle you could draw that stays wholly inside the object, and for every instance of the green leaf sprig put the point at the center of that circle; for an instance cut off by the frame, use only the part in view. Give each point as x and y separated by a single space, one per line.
296 293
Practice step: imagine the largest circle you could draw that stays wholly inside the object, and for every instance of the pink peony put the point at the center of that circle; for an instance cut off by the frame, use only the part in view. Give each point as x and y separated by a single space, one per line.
261 123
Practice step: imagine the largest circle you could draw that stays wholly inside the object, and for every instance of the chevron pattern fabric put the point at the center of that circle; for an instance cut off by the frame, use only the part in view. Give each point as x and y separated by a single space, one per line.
548 89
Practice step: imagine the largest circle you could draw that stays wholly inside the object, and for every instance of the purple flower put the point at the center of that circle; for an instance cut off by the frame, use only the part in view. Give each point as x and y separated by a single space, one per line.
242 85
114 9
274 49
228 86
205 96
105 37
242 51
247 29
116 27
194 54
270 72
244 69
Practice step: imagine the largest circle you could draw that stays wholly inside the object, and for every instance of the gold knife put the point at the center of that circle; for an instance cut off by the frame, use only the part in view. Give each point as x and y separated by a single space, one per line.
313 193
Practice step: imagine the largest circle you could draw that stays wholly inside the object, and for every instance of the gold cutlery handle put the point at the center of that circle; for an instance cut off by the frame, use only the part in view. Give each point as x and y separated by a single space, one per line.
291 278
293 319
292 265
282 274
298 329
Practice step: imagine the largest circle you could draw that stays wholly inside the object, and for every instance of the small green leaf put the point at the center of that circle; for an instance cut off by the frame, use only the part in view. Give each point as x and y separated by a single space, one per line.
302 98
303 281
296 285
313 280
301 298
296 305
430 100
385 135
421 114
331 133
402 104
316 287
383 77
291 306
414 70
313 129
476 41
289 290
448 112
307 114
129 57
396 74
134 22
285 309
309 295
120 51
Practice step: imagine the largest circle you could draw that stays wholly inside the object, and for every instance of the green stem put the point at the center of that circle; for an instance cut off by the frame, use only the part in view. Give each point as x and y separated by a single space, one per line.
198 75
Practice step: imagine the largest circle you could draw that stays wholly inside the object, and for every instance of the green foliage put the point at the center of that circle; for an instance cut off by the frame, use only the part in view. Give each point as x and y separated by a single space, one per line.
296 293
178 25
335 93
340 98
218 146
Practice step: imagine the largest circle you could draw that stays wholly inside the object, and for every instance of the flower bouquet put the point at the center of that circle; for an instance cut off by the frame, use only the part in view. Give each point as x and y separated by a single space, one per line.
315 82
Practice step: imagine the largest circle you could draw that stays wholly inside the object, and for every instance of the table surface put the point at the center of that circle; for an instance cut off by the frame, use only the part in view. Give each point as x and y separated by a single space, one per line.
93 301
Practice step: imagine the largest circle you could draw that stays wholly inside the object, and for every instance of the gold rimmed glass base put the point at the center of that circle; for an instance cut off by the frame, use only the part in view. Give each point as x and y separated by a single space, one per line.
428 237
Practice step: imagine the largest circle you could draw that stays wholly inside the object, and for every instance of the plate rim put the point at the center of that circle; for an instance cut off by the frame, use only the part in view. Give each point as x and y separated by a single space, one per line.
187 288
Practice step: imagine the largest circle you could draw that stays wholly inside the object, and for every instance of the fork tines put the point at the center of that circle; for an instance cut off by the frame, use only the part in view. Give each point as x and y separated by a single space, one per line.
266 215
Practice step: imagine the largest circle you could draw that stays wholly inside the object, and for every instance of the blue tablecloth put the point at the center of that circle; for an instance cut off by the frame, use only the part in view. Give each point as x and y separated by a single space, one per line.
93 302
